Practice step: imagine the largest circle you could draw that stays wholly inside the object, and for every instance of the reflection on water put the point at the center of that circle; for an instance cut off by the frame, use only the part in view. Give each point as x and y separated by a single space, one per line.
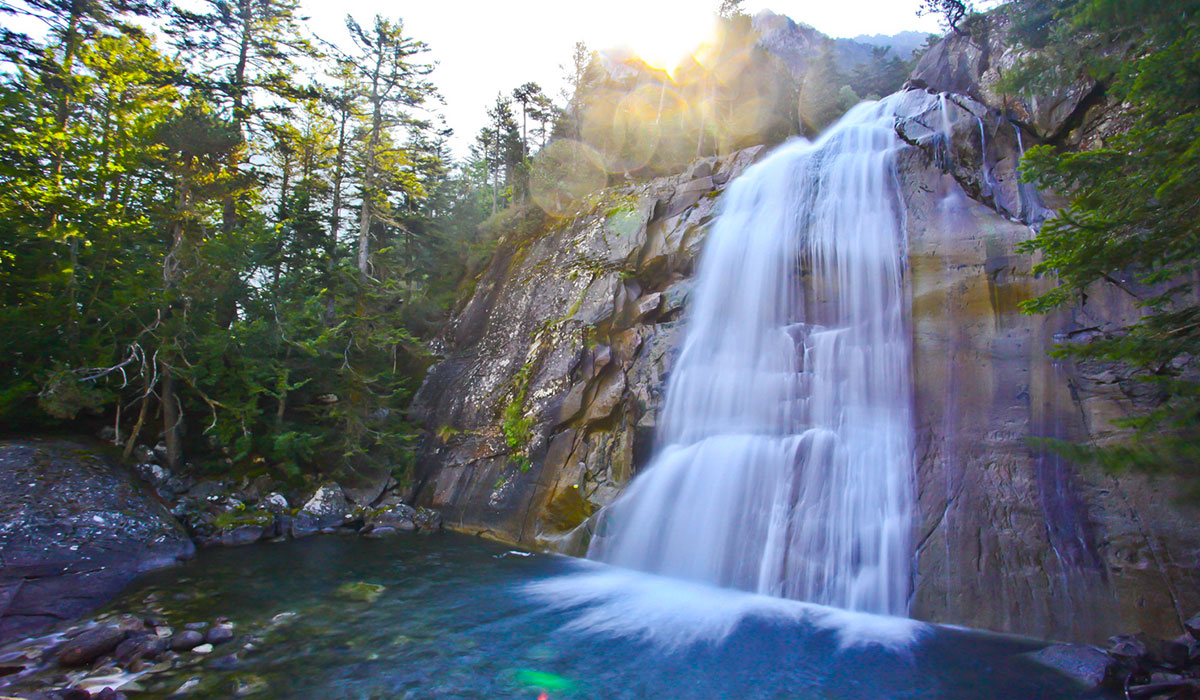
465 618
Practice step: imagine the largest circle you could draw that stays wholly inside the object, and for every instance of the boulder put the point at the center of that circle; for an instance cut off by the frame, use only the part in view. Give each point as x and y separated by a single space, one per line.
185 640
274 503
239 527
75 530
363 484
398 517
146 646
1086 664
144 454
428 520
90 645
327 507
209 490
242 535
1192 625
1129 648
152 473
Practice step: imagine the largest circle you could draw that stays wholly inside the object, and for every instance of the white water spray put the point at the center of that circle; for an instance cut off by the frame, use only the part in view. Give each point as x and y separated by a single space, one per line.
785 458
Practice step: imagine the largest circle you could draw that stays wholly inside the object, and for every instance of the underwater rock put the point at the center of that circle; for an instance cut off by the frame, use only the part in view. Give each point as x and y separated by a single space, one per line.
139 647
185 640
90 645
1086 664
219 635
360 591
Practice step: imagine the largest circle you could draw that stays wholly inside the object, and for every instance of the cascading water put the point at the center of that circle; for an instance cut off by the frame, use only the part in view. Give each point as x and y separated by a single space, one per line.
785 455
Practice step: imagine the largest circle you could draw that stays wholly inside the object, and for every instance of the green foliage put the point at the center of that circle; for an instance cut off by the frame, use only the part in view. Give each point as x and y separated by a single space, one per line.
446 432
880 76
827 92
951 12
174 254
515 425
1132 218
63 396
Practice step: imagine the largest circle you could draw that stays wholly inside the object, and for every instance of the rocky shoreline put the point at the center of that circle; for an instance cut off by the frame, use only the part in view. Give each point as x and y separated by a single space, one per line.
76 527
224 512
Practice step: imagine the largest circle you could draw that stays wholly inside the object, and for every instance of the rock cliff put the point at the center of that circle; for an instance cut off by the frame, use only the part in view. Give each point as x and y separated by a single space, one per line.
1012 537
545 404
546 401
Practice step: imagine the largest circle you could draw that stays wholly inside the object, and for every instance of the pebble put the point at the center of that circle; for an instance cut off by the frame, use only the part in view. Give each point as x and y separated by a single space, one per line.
187 639
219 635
187 686
224 663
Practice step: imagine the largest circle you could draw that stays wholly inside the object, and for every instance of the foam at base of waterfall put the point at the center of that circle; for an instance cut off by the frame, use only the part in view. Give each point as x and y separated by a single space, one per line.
674 613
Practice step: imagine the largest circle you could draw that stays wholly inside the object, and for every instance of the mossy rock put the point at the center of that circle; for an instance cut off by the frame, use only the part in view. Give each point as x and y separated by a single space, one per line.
234 519
360 591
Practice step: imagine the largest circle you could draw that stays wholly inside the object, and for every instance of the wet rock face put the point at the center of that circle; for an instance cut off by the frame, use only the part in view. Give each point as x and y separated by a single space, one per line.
73 531
545 403
1014 538
1010 536
1074 114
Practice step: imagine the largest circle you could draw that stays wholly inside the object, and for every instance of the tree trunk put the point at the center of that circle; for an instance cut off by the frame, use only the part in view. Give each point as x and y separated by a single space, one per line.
495 174
171 418
141 419
364 219
61 113
364 226
335 215
238 88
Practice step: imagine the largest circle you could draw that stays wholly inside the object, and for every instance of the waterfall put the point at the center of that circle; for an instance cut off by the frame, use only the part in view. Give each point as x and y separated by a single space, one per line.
784 462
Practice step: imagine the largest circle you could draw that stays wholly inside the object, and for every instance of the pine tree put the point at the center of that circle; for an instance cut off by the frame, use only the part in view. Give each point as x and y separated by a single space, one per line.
1132 212
393 84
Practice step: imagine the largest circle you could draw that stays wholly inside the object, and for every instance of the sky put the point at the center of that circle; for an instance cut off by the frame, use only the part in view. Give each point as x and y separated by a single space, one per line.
485 46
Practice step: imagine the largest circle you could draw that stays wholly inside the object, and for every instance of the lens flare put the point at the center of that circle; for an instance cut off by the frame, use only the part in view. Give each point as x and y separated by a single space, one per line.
664 38
563 172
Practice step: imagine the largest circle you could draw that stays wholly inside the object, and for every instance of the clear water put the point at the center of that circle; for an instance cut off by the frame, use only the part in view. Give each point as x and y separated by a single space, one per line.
466 618
785 459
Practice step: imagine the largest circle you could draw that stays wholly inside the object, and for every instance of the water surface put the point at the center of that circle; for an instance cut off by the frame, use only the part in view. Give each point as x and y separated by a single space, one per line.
466 618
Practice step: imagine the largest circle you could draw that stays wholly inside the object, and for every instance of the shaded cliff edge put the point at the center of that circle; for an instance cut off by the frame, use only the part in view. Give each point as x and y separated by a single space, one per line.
546 401
1012 538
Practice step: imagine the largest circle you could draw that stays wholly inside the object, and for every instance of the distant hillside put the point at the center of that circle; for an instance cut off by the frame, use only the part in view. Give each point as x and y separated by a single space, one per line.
902 44
797 44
